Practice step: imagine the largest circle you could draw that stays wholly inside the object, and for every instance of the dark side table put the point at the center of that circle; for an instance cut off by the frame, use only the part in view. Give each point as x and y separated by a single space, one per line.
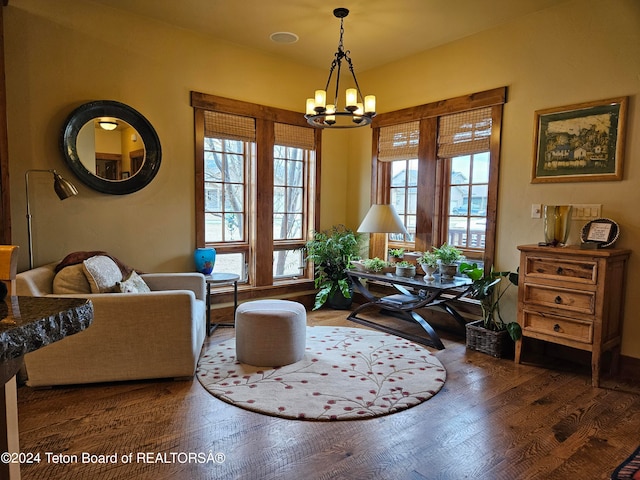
221 279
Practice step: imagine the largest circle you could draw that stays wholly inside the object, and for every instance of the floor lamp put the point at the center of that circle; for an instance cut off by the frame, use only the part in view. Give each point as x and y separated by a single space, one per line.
63 188
382 218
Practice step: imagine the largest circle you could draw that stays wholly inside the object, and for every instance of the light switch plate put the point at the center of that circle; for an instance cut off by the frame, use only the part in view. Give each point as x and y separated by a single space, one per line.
536 210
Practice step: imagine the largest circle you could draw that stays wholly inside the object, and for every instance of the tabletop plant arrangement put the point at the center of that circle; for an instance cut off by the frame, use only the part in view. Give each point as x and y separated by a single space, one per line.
375 265
489 288
405 269
332 252
429 263
396 255
448 257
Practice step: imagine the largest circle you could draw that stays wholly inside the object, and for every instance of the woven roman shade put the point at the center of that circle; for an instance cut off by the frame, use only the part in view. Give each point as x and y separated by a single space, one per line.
229 127
464 133
399 142
294 136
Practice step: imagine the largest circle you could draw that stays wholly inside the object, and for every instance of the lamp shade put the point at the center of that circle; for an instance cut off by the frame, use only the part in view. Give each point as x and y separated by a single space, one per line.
63 188
382 218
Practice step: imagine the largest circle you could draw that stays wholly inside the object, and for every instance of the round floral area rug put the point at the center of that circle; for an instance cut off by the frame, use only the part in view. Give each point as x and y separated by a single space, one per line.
346 374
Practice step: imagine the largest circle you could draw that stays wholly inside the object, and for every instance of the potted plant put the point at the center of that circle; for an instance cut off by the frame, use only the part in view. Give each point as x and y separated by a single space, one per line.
395 255
405 269
332 251
448 258
429 263
375 265
488 289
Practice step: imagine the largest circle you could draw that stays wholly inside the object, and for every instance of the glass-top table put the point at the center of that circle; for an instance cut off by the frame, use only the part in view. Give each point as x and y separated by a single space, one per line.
413 293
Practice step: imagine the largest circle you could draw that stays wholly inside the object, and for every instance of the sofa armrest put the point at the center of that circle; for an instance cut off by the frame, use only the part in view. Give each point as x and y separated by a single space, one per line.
177 281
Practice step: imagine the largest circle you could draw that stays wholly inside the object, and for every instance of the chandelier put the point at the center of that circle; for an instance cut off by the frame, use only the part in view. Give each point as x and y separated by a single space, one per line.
358 110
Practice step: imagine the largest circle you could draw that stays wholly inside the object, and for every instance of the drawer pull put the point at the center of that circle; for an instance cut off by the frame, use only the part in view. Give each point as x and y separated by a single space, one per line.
559 271
558 300
556 328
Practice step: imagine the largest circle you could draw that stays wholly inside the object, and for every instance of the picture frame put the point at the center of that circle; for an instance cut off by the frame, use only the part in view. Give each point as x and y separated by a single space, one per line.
580 143
600 233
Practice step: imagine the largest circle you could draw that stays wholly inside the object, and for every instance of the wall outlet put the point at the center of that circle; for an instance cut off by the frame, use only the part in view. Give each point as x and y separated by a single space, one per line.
536 210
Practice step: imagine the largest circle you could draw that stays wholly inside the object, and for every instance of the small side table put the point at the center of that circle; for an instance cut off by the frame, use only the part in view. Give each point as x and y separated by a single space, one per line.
221 279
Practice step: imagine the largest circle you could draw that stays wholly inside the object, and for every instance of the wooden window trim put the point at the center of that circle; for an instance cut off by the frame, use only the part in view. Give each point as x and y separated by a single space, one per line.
262 246
430 226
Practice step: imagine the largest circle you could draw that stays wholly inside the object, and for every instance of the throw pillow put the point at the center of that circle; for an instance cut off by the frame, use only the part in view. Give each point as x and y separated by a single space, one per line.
133 284
71 279
102 273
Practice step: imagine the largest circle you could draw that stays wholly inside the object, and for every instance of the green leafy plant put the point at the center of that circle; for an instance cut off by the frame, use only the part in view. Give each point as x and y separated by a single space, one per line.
488 290
405 264
396 252
331 252
428 258
448 254
375 264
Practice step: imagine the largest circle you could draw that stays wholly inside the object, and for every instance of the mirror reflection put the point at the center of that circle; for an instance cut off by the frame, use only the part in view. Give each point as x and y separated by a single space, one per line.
110 148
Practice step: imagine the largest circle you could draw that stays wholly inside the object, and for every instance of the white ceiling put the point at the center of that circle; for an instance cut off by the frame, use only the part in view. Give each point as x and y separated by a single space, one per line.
377 32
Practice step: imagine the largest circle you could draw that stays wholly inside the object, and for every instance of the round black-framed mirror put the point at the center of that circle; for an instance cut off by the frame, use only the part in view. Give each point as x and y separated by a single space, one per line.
120 116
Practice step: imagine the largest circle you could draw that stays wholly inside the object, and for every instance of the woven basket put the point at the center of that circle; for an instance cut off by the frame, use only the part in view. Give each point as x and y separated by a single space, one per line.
497 344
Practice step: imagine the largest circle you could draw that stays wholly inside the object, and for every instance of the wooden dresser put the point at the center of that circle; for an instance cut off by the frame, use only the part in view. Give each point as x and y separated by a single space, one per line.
573 297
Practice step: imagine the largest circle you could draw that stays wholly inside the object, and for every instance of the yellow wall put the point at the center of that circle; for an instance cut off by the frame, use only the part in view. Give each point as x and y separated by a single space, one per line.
580 51
62 54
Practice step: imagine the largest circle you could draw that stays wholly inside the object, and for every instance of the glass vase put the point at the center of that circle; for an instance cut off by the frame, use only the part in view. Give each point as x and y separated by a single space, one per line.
205 259
557 222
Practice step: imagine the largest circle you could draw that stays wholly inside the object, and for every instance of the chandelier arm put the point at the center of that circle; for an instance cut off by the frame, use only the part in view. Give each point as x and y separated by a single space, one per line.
355 80
335 102
333 66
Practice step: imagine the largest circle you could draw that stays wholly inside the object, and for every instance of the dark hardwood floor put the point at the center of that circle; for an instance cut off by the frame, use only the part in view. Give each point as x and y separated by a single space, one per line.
492 420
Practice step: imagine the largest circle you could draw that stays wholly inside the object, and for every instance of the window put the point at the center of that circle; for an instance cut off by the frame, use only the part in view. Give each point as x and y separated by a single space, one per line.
255 188
438 164
403 193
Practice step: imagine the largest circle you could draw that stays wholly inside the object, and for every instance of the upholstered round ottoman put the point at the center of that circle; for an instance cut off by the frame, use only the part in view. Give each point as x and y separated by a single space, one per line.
270 333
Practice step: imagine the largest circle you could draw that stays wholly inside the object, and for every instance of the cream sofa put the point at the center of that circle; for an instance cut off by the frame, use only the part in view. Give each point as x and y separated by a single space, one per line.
133 335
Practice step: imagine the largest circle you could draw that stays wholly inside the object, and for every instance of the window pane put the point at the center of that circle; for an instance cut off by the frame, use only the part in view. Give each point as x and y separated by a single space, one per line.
233 230
481 167
295 173
460 169
279 172
398 200
398 173
294 200
477 232
458 231
231 263
479 200
288 263
213 227
213 197
233 198
279 199
287 226
458 200
234 169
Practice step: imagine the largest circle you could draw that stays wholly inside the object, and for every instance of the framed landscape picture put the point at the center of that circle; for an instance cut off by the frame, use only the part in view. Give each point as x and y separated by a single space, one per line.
580 143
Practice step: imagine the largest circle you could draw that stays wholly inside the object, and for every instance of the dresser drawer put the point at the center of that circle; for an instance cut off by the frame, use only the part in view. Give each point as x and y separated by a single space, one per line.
557 327
582 301
561 269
